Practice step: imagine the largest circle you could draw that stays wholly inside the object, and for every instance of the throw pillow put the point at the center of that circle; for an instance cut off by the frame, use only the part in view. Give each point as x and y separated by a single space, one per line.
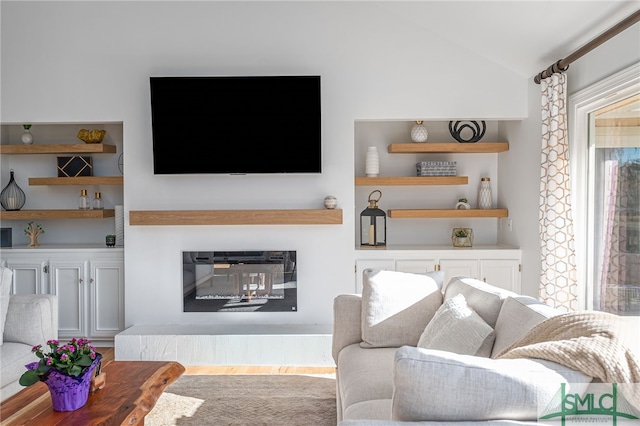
396 307
441 386
458 328
6 276
483 298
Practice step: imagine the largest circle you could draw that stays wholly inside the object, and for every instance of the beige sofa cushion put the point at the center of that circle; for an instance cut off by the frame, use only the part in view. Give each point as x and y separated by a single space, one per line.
483 298
442 386
6 276
30 319
457 328
517 316
396 307
355 379
375 409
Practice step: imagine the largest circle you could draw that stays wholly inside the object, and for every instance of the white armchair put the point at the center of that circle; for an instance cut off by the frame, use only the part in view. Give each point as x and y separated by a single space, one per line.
25 321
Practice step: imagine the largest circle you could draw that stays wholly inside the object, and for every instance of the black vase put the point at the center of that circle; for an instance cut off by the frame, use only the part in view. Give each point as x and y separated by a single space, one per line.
12 198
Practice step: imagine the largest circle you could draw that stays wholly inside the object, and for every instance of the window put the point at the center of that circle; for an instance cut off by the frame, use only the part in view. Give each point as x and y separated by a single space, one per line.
605 149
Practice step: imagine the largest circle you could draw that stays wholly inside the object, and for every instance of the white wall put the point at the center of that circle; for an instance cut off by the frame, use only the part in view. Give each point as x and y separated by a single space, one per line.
90 61
519 169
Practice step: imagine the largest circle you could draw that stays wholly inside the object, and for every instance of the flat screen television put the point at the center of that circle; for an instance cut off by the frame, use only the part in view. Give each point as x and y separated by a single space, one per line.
236 125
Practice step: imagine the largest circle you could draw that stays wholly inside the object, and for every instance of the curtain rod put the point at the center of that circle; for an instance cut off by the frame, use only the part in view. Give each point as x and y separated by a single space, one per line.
563 64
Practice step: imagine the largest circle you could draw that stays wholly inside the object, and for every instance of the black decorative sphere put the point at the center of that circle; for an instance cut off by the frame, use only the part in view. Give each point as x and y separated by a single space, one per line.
477 130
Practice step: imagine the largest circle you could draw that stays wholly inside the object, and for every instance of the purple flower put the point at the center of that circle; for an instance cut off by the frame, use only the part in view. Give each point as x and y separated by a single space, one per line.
36 348
49 361
64 357
53 342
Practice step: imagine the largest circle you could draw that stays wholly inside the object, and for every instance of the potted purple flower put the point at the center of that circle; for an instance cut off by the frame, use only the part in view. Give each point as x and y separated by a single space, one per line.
67 371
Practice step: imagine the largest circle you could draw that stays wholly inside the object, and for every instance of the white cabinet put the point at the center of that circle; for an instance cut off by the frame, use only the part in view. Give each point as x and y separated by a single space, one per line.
496 265
89 283
68 283
503 273
29 276
456 267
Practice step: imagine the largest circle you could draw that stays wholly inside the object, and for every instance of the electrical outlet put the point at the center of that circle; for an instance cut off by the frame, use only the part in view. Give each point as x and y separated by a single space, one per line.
510 224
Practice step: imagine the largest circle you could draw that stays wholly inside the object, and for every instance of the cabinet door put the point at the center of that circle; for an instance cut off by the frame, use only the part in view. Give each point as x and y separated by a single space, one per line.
106 298
503 273
29 276
68 282
416 266
361 265
454 267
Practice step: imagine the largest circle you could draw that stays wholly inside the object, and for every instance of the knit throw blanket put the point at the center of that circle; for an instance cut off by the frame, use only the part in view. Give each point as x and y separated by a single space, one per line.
586 341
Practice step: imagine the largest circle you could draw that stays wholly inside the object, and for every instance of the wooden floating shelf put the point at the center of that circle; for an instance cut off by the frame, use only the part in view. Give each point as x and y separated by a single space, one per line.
78 180
412 180
448 147
434 213
77 148
235 217
56 214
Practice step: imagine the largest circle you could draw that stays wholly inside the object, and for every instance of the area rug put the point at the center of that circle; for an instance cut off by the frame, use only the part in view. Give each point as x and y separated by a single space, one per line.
246 400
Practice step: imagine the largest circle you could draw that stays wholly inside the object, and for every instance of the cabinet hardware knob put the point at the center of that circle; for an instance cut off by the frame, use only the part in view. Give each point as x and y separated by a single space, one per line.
80 280
91 280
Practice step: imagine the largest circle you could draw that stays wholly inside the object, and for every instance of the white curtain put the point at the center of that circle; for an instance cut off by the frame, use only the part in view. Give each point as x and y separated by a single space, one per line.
558 284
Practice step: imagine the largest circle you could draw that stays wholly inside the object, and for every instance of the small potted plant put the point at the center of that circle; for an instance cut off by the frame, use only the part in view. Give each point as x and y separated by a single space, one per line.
462 237
110 240
463 204
67 371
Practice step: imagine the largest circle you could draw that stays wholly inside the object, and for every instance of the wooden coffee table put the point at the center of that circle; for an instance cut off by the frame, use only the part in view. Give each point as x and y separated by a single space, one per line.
132 389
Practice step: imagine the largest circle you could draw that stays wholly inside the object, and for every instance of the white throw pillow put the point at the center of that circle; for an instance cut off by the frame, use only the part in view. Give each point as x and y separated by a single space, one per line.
459 329
431 385
396 307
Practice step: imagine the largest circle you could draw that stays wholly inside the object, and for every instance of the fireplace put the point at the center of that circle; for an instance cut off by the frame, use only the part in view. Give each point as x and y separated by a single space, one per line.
239 281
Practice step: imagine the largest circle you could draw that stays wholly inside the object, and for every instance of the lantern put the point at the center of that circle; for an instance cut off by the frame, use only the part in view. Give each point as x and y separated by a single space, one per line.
373 223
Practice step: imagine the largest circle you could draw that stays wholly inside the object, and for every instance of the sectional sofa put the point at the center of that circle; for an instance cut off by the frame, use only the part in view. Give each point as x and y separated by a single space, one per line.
410 349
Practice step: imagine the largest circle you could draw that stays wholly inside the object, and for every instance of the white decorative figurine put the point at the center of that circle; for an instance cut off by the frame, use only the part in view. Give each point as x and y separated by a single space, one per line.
330 202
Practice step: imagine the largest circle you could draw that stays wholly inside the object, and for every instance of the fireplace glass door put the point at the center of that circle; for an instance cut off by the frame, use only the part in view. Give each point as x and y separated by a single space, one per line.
239 281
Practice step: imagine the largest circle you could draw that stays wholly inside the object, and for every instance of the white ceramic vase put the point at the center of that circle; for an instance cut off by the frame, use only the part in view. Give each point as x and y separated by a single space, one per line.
372 162
485 201
419 132
27 137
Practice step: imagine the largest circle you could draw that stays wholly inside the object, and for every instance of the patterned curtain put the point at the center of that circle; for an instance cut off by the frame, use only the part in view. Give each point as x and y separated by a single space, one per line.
558 284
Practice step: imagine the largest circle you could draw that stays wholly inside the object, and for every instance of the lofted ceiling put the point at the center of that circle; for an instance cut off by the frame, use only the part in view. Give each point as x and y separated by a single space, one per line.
523 36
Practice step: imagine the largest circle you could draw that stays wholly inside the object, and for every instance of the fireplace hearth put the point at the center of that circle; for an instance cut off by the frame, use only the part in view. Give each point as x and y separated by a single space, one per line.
239 281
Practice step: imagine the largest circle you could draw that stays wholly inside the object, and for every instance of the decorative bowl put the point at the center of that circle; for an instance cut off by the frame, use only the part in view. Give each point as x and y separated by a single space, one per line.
91 136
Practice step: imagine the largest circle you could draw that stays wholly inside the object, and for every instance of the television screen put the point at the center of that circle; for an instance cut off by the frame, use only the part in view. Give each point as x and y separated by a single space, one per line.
236 125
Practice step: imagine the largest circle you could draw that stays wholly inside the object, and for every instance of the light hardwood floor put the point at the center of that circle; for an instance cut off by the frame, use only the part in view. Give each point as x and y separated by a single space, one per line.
108 355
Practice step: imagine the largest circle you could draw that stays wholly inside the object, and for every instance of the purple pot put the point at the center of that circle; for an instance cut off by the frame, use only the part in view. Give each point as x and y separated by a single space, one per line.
68 393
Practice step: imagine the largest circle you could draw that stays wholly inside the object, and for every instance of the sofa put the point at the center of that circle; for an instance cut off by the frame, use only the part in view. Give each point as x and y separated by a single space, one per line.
413 350
25 321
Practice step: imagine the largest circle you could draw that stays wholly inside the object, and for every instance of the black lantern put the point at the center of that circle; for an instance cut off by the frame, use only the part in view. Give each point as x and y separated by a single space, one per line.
12 197
373 224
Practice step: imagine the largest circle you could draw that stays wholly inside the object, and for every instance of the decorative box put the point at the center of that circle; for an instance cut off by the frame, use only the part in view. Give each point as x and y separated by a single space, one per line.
75 166
5 237
436 168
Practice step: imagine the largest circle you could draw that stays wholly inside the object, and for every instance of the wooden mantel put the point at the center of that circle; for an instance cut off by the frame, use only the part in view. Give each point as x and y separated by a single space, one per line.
236 217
